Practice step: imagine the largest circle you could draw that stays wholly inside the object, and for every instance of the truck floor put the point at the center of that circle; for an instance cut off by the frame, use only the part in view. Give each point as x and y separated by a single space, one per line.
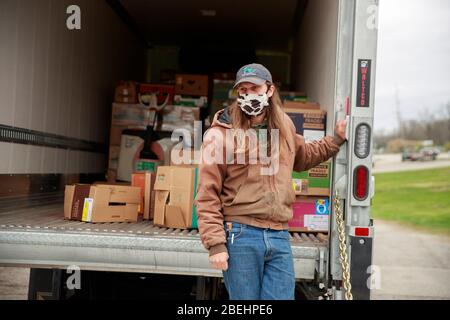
36 235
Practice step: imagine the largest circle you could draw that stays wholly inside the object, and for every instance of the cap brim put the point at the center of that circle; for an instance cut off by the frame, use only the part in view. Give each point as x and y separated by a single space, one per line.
254 80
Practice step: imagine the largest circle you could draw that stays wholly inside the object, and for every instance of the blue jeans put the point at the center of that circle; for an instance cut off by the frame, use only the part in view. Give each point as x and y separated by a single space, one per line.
260 265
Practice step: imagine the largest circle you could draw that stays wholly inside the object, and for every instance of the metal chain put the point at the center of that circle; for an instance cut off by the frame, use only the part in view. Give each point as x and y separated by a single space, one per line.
343 248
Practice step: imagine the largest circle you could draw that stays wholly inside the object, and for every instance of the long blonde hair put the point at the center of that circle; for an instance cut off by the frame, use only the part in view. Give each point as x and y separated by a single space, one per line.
274 115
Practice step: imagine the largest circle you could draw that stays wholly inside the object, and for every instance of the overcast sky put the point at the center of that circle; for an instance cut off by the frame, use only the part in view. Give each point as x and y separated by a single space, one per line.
414 56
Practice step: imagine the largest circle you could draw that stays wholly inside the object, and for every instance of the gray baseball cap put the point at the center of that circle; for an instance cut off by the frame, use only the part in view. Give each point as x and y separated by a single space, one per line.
255 73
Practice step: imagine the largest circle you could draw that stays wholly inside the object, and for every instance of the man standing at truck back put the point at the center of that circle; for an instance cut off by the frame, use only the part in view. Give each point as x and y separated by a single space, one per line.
243 210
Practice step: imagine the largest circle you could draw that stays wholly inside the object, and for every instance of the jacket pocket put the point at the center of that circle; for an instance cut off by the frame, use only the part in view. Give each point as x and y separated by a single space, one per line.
252 188
284 185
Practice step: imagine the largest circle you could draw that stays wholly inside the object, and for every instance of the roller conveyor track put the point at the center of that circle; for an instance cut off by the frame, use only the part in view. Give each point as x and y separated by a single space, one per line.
50 217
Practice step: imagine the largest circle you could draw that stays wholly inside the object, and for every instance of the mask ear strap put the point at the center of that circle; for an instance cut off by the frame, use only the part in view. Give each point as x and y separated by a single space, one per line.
269 98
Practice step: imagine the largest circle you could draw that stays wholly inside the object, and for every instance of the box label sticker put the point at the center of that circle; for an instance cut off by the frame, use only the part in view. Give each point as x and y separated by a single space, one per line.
316 222
300 185
320 171
146 166
87 210
322 207
313 135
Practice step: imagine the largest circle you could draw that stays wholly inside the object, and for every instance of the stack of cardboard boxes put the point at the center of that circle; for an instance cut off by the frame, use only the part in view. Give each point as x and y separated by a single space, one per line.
162 91
131 114
146 187
175 190
166 197
166 194
126 113
223 93
102 203
308 118
311 209
145 181
191 95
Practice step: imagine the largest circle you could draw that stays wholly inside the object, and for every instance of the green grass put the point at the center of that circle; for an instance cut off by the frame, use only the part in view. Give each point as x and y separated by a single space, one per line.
417 198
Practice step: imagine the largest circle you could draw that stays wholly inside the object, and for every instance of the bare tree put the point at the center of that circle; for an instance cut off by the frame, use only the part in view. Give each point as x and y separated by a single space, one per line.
430 125
399 114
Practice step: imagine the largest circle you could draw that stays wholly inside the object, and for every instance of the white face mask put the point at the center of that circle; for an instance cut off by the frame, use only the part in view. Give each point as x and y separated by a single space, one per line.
253 104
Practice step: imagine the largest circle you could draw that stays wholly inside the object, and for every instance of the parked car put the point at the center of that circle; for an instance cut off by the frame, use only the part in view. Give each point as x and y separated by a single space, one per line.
429 153
426 153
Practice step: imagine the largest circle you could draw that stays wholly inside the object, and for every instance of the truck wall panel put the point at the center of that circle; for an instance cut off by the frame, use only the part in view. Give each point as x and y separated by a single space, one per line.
315 54
61 81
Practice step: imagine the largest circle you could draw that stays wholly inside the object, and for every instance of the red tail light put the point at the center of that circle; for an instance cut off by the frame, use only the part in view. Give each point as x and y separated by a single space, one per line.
361 183
362 232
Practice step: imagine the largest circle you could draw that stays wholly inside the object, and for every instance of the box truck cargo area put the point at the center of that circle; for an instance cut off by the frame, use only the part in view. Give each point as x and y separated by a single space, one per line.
57 87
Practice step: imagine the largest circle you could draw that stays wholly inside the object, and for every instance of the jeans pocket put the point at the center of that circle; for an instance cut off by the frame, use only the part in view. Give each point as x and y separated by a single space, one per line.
235 231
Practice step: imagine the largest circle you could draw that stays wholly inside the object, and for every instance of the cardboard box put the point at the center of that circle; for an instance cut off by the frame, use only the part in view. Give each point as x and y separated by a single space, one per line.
293 96
179 117
175 189
310 214
311 124
115 135
112 203
112 175
161 90
138 180
130 115
300 186
115 183
301 105
130 148
145 181
190 102
113 161
147 165
126 92
314 182
74 200
151 206
191 84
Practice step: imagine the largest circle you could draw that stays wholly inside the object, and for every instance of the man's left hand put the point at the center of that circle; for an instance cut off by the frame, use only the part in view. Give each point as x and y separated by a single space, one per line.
340 129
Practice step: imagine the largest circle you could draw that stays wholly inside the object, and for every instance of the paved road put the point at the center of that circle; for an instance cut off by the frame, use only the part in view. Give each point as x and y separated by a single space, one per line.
413 264
393 162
